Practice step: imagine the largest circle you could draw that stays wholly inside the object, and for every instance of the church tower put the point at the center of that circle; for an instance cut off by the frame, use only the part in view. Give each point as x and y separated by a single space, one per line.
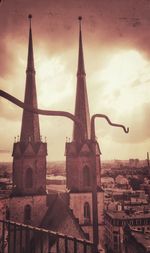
29 153
28 201
83 167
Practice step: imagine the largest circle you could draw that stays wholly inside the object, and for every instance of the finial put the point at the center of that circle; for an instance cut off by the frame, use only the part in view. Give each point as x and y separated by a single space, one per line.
30 17
80 19
45 139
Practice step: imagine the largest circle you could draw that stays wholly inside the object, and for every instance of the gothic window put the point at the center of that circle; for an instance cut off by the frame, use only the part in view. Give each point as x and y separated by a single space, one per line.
29 178
27 213
86 176
87 213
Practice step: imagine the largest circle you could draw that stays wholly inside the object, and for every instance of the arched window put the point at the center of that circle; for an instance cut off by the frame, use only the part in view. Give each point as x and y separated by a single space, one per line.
29 178
86 176
87 213
27 213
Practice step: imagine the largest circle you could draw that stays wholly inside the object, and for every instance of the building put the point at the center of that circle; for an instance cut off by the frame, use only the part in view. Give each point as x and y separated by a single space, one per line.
136 241
115 221
29 202
78 212
29 158
83 166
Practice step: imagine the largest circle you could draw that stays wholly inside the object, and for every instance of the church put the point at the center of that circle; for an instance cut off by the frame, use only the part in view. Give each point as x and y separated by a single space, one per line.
79 211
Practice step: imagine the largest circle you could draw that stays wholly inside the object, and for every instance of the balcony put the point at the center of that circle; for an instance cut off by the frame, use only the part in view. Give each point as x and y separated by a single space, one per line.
20 238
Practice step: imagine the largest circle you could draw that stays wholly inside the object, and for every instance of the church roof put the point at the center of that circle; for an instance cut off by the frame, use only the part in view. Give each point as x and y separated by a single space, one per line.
60 218
30 129
81 105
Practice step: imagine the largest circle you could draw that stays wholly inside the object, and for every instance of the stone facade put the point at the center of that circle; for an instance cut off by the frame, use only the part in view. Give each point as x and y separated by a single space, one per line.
77 204
38 206
29 168
28 201
81 160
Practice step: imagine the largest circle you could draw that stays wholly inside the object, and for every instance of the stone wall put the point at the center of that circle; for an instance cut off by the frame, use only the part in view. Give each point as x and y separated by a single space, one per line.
38 208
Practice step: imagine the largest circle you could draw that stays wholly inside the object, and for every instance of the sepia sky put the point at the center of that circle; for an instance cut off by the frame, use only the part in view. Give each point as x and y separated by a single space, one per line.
116 38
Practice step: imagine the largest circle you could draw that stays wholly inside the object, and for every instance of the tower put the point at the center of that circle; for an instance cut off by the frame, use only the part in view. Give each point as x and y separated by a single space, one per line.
83 167
28 198
29 154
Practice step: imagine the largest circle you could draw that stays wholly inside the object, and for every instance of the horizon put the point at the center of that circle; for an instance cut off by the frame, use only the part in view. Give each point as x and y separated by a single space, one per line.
102 161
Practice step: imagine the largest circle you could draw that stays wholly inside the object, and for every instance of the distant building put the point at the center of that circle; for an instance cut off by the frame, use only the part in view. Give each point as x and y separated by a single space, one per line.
122 182
133 162
136 241
146 188
107 182
115 221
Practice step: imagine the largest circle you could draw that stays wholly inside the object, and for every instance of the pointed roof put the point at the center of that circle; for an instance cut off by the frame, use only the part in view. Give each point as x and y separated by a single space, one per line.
30 129
30 63
81 68
81 105
57 221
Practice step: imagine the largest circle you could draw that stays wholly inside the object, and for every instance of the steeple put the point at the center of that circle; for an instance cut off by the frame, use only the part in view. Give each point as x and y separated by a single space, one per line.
81 69
81 105
30 129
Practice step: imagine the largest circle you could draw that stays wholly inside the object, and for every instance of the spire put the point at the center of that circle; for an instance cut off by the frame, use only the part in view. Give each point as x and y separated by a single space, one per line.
81 106
30 63
30 130
81 69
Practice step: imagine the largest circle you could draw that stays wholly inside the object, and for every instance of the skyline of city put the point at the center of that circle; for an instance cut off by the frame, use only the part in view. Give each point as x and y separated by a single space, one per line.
104 203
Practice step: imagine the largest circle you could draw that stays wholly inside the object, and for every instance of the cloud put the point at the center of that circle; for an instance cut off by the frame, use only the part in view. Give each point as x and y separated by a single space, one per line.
108 28
4 151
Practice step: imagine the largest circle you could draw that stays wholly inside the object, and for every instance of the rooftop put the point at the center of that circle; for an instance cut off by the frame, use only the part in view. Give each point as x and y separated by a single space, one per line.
123 215
142 238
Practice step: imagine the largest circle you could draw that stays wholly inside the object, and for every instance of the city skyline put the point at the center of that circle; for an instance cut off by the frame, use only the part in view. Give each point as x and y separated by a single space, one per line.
116 52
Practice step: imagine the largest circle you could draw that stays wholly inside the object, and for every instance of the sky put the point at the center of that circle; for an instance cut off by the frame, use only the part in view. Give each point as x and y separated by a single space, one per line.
116 41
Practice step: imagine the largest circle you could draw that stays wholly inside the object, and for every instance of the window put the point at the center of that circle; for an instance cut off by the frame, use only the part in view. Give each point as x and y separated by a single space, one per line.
87 215
115 239
27 213
29 178
86 176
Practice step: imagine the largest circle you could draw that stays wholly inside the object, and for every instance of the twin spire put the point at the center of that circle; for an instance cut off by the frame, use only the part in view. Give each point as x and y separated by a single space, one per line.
30 130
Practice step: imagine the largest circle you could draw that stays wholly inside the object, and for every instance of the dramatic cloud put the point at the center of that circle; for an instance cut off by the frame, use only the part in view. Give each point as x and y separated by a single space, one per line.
116 41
